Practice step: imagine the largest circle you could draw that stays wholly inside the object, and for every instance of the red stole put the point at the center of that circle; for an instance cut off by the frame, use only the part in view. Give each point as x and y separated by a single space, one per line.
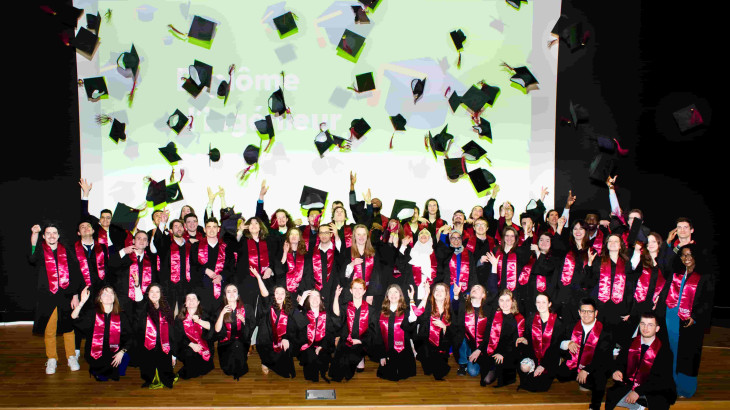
408 231
317 266
463 271
306 235
102 236
97 339
194 332
219 263
688 294
471 243
258 257
294 274
598 241
434 332
278 328
239 310
525 274
357 269
175 261
418 273
637 371
316 328
399 336
605 290
642 285
541 340
347 233
511 270
568 269
590 346
57 273
84 263
362 320
471 333
494 332
145 279
534 237
150 334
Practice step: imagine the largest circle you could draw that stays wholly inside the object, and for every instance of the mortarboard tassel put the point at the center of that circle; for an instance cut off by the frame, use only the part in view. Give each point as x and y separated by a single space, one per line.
131 93
271 141
565 121
65 38
552 42
190 126
447 91
353 133
345 46
48 10
458 62
172 175
695 118
586 36
182 174
425 142
507 65
108 15
243 173
391 141
102 119
171 27
231 68
620 150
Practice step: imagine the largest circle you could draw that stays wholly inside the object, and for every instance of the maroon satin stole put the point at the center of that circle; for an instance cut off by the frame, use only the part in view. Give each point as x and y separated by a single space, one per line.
605 290
102 236
526 271
418 273
568 269
357 269
463 271
219 262
598 241
150 335
511 270
307 235
294 272
347 233
278 328
239 310
399 336
475 333
57 273
471 243
362 320
434 332
194 332
495 332
97 338
145 279
534 237
316 329
688 294
175 261
258 258
644 282
541 340
638 371
84 263
408 231
317 266
590 346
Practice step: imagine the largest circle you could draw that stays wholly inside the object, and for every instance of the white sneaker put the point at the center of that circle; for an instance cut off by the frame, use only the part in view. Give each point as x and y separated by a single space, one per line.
78 354
51 366
73 363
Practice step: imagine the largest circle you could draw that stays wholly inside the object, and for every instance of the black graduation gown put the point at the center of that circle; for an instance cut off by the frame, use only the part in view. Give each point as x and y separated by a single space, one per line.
433 227
481 248
96 282
459 333
547 265
281 363
610 313
47 302
329 282
175 291
248 285
155 359
281 269
434 358
505 372
194 364
383 262
550 361
233 353
123 276
647 305
519 293
102 367
346 357
204 283
315 365
399 365
567 297
444 254
117 234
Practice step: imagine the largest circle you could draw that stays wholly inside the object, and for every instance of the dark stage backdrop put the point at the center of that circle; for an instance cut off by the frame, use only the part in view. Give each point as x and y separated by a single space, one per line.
640 64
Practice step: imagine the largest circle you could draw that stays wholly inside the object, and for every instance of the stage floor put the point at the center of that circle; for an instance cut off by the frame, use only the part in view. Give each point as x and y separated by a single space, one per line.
23 383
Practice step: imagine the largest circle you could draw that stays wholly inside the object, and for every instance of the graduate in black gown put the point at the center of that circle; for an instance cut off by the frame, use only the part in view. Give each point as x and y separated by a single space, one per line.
392 331
435 332
569 287
174 251
277 331
541 356
651 277
355 338
540 273
289 263
507 263
317 326
233 329
432 214
256 249
321 265
155 340
194 335
504 332
108 333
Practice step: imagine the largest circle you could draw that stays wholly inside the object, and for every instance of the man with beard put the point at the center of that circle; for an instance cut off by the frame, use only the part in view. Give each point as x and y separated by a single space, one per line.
176 275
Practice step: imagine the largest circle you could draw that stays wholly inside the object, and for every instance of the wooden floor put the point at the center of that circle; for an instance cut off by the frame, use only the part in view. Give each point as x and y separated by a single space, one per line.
23 384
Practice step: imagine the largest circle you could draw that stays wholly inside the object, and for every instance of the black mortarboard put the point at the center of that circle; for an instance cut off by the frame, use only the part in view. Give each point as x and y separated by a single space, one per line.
523 77
602 166
636 228
402 209
265 126
177 121
399 122
454 101
276 102
202 30
484 129
688 118
173 193
458 37
361 17
251 154
417 87
359 127
312 198
201 75
95 88
475 99
117 132
68 15
286 25
93 22
230 224
372 4
213 154
224 89
481 179
365 82
85 43
578 114
491 92
169 151
570 32
516 3
606 145
156 192
125 216
560 25
324 140
473 152
351 44
616 226
89 219
455 167
130 60
441 141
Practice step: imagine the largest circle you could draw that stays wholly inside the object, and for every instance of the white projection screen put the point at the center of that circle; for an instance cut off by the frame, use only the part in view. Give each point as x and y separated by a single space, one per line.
405 39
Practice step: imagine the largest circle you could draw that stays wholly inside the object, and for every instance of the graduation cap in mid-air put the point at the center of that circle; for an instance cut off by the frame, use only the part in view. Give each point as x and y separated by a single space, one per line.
177 121
454 101
688 118
569 31
483 128
350 45
169 151
85 42
201 75
361 16
286 24
201 33
417 88
173 193
276 103
364 82
265 127
129 61
125 216
359 127
522 77
156 192
214 155
312 198
95 88
224 88
602 166
118 131
93 22
403 209
481 179
458 37
325 140
578 115
441 141
473 151
455 167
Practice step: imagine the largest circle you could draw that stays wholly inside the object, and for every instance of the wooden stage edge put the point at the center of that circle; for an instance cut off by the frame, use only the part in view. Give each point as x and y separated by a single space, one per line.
24 384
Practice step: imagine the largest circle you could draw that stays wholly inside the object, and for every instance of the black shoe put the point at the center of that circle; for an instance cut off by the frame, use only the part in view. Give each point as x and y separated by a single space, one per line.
462 370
